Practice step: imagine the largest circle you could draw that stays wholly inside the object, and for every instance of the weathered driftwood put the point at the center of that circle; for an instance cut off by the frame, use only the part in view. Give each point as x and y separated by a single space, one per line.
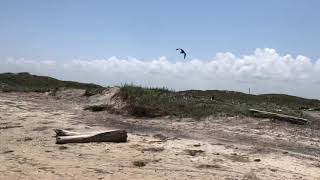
64 136
282 117
63 132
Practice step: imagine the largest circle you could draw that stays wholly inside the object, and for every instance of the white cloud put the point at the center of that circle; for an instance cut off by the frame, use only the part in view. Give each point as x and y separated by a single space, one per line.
264 71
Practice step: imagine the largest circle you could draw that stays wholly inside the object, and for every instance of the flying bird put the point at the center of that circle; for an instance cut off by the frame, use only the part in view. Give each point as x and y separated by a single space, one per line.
182 52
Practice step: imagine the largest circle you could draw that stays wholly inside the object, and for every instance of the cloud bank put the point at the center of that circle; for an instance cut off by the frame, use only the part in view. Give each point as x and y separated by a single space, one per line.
264 71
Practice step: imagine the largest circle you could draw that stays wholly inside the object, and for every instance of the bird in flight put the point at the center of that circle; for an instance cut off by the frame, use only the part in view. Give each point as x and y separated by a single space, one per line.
182 52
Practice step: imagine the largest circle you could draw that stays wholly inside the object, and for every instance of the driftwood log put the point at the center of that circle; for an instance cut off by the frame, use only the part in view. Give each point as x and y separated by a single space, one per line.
281 117
63 136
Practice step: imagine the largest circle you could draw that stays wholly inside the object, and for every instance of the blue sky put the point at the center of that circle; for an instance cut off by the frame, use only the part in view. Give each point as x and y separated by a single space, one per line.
270 46
64 30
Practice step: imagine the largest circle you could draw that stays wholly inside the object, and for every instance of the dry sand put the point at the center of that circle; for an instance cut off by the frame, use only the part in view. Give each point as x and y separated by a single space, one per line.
161 148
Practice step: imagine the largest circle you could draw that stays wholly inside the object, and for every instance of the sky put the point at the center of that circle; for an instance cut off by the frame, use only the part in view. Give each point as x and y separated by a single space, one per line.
269 46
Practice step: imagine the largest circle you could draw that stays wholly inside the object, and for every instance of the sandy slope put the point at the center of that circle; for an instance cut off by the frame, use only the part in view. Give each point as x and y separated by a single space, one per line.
224 148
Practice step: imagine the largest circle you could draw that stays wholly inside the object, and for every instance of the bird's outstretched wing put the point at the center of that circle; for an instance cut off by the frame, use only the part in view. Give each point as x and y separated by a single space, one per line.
182 52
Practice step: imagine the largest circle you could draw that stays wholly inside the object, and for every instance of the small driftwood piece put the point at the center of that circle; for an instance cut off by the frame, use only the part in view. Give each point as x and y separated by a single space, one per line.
64 136
62 132
281 117
9 127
